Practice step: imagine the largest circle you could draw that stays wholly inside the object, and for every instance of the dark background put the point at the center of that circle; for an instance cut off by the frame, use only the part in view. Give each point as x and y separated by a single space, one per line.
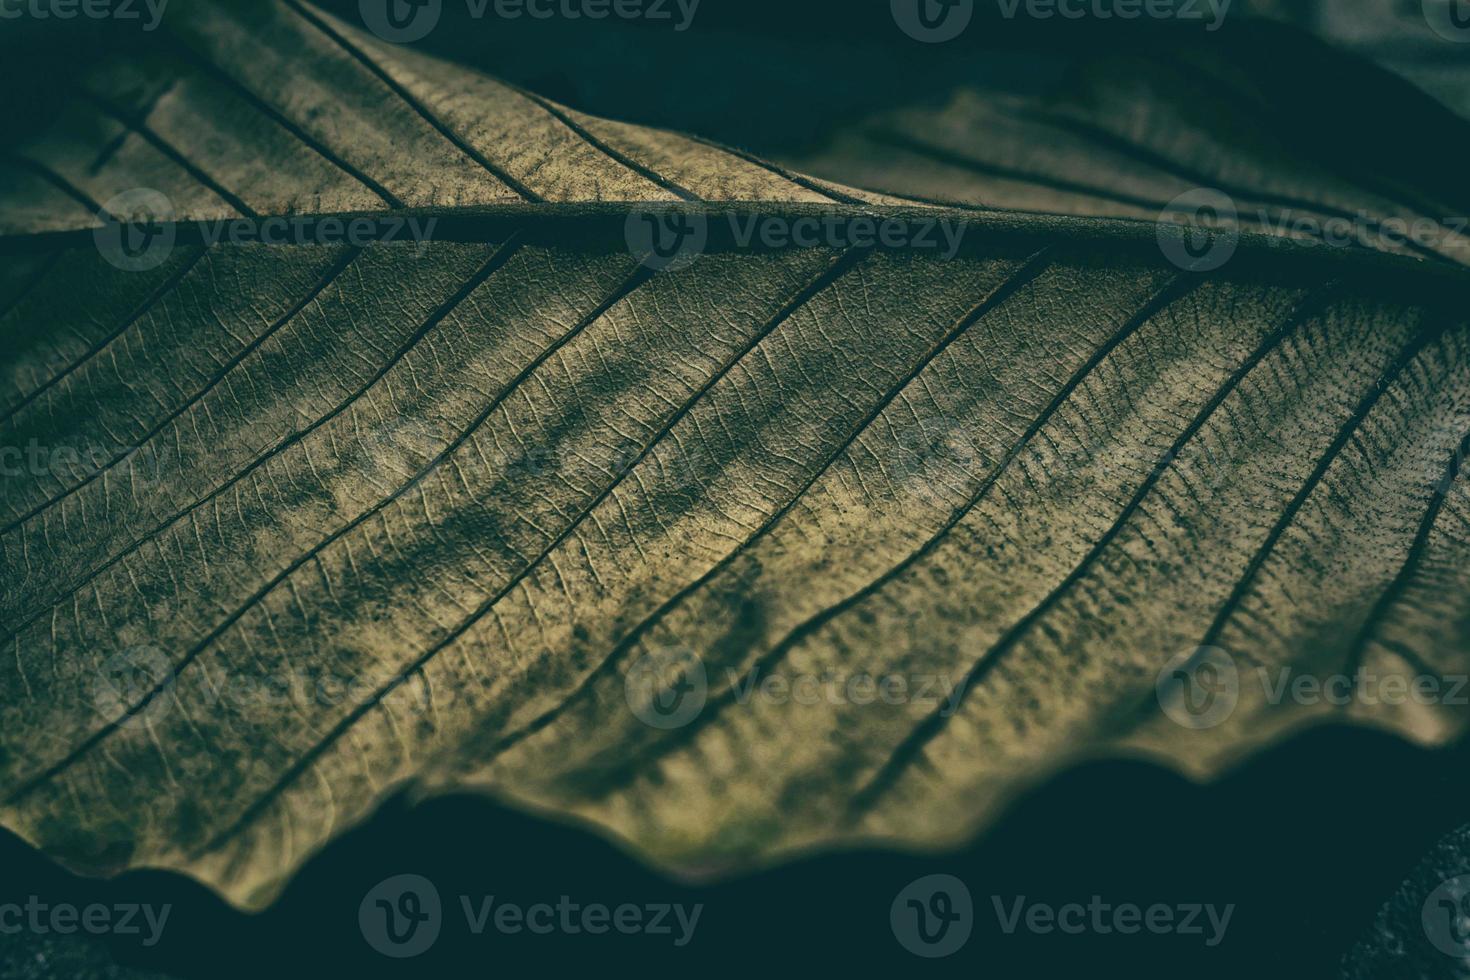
1308 840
